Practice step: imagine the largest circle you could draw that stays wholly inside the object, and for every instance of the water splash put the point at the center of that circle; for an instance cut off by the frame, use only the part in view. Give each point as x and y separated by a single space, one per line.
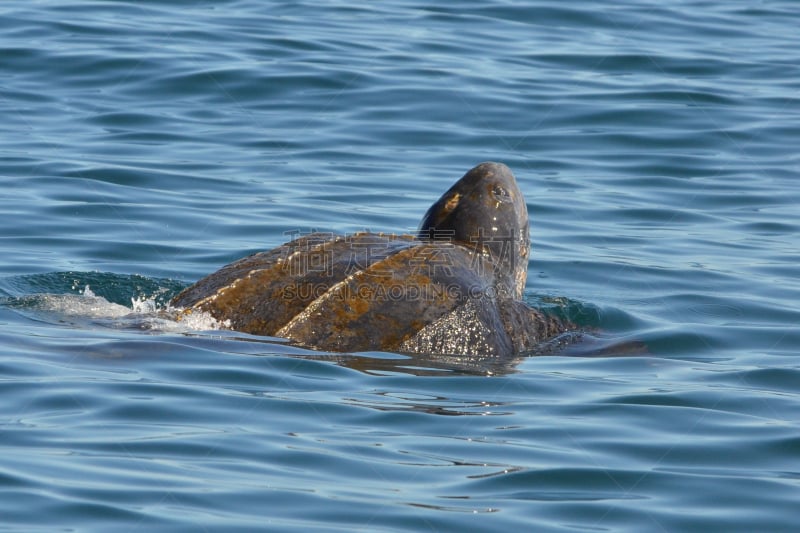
67 298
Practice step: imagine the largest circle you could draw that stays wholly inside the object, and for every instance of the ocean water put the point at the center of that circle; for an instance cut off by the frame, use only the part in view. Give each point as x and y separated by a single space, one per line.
146 144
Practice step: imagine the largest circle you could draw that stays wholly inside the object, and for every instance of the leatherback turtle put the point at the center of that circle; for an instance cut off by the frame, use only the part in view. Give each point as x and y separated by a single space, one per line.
453 288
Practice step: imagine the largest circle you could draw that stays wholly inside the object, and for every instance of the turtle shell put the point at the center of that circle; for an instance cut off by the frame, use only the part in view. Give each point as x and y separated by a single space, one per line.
370 292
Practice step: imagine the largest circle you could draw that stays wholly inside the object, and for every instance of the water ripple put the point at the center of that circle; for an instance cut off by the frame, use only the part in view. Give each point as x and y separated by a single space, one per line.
146 145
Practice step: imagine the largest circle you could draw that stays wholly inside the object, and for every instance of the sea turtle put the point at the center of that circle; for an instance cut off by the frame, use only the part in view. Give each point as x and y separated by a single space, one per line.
453 288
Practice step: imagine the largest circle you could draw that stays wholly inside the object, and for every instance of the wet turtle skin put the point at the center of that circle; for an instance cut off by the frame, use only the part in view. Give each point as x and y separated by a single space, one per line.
454 288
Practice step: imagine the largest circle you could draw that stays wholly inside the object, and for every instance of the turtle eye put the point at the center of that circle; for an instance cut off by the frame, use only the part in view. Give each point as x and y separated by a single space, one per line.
500 193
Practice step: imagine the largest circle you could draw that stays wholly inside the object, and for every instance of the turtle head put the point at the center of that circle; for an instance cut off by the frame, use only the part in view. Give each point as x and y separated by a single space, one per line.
485 210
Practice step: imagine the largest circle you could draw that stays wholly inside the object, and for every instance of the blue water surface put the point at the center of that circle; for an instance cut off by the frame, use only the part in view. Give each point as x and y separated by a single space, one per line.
145 144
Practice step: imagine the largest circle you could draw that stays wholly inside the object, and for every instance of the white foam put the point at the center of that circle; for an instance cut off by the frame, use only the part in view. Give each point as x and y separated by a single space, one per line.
144 313
199 320
86 304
